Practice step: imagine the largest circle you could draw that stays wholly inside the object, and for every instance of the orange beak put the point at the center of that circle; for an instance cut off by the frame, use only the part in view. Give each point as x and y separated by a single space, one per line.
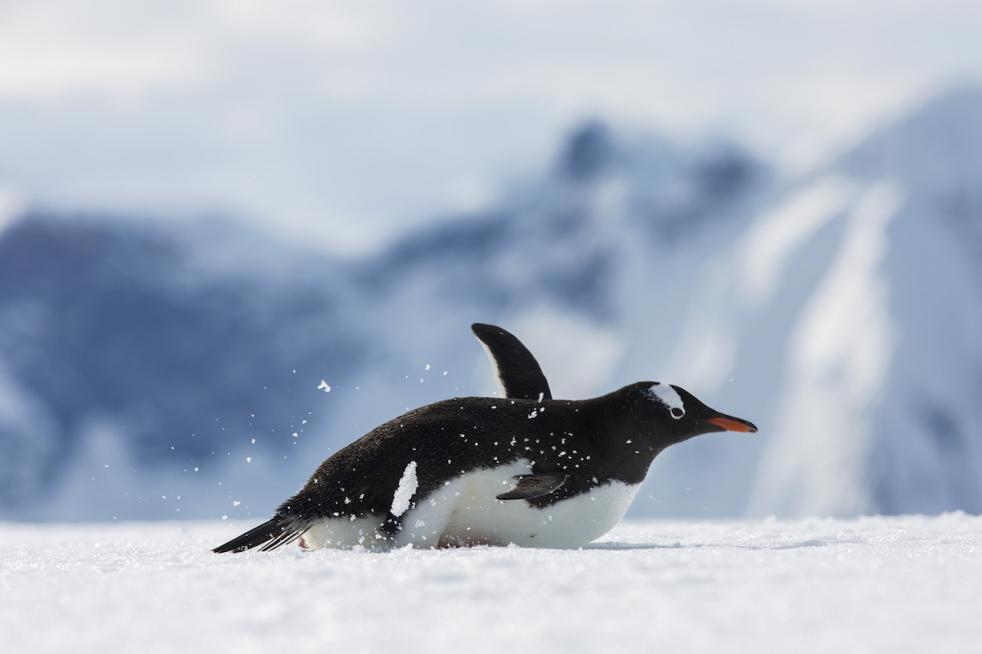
729 423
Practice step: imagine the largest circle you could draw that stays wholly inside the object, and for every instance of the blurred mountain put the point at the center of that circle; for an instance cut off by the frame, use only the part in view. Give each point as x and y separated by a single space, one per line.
848 315
149 370
110 325
885 360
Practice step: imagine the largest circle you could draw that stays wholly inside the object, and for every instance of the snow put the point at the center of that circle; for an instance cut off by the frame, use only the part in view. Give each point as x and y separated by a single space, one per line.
870 584
773 238
404 493
841 351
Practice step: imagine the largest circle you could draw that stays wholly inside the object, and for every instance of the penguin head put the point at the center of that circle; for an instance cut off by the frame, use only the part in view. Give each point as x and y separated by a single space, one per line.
670 414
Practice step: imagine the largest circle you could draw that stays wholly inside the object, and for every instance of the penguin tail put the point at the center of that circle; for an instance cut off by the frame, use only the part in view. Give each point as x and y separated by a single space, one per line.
280 530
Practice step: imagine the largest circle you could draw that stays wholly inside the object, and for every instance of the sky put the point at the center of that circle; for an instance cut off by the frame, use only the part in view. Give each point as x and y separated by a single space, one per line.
343 123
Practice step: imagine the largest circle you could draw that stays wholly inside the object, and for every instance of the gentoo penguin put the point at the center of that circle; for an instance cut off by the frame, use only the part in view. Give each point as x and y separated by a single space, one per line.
523 468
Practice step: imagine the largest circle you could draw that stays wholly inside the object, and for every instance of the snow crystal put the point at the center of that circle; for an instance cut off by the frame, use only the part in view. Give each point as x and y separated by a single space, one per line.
404 493
324 386
668 396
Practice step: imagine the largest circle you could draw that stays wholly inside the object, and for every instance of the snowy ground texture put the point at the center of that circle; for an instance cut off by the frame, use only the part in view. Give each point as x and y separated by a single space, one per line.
870 584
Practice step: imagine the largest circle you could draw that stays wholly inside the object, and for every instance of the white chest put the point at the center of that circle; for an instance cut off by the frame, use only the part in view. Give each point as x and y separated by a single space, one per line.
465 512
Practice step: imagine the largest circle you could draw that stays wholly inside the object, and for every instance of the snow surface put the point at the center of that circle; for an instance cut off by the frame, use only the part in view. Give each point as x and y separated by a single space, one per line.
901 584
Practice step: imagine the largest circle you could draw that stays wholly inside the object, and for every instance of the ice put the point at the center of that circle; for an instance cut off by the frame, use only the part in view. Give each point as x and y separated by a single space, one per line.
324 386
870 584
404 493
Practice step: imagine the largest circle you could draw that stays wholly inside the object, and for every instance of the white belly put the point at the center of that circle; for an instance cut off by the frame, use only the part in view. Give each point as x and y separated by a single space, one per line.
465 512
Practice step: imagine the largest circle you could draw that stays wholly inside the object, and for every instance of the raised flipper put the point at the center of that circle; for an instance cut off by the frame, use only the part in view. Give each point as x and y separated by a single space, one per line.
518 372
531 486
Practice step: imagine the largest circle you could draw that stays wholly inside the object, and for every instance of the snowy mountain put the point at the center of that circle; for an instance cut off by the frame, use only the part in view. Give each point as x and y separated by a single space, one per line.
135 343
885 359
154 371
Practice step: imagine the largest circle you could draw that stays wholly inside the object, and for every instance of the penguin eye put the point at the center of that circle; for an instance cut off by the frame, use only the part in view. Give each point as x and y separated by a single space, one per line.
677 412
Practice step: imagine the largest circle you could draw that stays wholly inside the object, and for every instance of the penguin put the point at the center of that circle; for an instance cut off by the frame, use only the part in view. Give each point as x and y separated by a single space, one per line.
523 469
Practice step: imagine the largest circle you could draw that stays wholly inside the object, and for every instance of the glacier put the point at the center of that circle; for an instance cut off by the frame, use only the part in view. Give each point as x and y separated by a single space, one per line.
152 370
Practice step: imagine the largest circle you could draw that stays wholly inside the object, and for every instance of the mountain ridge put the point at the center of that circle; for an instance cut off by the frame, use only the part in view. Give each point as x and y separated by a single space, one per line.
191 356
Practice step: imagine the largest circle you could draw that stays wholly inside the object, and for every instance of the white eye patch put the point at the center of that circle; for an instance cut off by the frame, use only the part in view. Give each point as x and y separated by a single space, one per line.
668 396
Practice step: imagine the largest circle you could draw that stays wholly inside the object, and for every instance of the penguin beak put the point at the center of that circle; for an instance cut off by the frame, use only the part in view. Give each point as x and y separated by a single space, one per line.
729 423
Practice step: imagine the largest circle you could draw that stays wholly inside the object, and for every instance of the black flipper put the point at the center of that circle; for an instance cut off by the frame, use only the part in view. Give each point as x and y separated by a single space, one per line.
280 530
530 486
518 371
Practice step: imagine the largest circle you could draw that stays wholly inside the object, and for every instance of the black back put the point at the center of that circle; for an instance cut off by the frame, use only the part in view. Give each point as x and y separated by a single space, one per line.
592 441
